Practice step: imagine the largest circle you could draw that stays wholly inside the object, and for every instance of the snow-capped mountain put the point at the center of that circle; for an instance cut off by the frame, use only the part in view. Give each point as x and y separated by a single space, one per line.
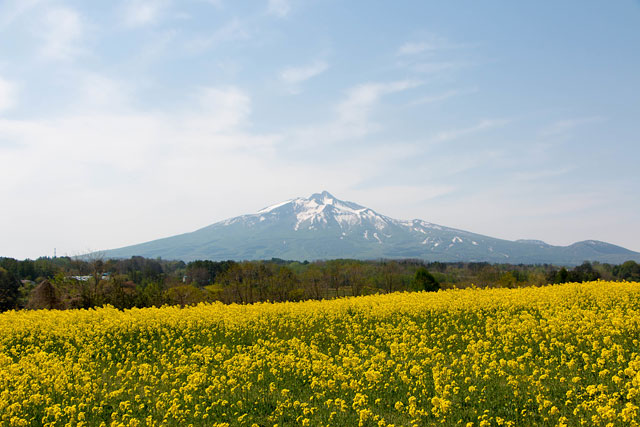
324 227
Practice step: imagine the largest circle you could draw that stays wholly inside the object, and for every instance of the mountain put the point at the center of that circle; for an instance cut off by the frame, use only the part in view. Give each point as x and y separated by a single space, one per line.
324 227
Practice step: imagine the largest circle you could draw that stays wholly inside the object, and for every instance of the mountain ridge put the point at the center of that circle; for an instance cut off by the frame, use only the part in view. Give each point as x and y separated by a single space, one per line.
325 227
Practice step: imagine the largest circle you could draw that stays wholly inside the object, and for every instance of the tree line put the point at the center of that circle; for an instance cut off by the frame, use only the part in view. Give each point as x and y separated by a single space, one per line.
66 283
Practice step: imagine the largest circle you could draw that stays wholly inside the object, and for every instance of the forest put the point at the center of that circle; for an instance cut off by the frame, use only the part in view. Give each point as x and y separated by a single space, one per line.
86 282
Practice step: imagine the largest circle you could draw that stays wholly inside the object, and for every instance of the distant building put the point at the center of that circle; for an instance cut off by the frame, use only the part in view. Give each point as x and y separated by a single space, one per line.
103 276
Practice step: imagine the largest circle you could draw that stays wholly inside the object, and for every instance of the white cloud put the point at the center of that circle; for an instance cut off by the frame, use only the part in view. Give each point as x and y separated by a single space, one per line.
412 48
352 115
62 28
280 8
11 10
294 76
567 125
442 96
396 200
7 94
234 30
460 132
428 44
542 174
99 92
122 137
216 3
355 109
433 67
138 13
221 109
110 155
432 55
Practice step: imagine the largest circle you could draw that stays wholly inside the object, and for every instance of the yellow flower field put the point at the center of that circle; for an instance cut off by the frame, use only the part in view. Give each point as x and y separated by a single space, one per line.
557 355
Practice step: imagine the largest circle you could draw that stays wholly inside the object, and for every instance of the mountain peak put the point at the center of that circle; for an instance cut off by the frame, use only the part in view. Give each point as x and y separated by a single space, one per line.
318 199
324 198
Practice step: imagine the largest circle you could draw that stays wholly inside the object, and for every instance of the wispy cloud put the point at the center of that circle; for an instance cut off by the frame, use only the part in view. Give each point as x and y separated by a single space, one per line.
222 109
294 76
542 174
433 54
442 96
397 198
216 3
352 119
11 10
567 125
412 48
62 30
426 44
432 67
356 106
156 47
98 92
280 8
7 94
139 13
233 30
483 125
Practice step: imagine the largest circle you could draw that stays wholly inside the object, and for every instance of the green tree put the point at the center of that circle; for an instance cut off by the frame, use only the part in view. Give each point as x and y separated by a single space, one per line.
583 273
150 295
629 270
562 276
425 280
118 292
508 280
9 290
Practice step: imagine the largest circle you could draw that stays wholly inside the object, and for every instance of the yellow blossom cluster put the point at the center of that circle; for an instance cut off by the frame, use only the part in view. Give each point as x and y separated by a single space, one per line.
560 355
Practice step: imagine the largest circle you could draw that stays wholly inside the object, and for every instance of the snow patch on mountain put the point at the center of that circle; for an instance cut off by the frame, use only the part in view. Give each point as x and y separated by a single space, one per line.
272 207
323 208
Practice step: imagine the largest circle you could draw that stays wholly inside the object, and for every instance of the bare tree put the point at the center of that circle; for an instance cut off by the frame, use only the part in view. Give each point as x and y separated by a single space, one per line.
313 281
95 262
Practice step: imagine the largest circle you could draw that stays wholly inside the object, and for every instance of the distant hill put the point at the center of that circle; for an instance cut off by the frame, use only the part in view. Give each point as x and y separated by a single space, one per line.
324 227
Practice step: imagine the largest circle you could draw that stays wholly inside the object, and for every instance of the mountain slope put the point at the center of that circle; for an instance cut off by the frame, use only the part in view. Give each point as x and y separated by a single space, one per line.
323 227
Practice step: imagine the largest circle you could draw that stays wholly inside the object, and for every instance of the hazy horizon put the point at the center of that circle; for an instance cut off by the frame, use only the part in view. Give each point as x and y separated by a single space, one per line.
123 122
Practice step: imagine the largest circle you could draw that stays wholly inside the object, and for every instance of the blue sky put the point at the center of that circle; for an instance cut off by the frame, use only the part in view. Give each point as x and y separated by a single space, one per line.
126 121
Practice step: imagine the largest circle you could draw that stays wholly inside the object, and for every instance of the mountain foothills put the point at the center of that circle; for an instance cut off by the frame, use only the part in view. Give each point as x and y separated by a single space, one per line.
324 227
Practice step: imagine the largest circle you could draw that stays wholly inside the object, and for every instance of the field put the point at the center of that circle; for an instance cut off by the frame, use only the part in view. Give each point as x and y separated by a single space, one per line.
557 355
